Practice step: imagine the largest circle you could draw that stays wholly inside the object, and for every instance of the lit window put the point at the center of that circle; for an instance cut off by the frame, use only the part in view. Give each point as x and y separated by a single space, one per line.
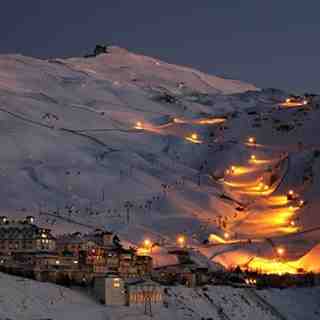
116 283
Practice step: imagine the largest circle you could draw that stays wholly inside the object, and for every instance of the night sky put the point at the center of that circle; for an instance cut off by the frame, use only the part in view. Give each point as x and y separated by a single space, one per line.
272 43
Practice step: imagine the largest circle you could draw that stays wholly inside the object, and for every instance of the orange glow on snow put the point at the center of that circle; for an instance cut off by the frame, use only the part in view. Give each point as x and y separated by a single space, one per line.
211 121
138 126
194 138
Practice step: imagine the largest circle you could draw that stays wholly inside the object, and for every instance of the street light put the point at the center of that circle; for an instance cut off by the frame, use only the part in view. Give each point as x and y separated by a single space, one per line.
280 251
194 136
139 125
290 195
252 140
226 235
147 243
181 240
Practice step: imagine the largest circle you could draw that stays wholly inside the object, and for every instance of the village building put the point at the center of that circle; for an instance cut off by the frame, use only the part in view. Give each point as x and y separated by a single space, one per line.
110 290
143 292
114 290
102 251
28 250
189 275
24 236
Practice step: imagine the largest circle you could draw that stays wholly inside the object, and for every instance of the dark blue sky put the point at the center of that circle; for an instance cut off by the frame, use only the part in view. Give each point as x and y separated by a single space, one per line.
272 43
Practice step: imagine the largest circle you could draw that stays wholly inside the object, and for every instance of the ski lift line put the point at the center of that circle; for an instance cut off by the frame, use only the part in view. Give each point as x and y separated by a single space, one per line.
284 176
25 119
70 220
92 110
105 130
93 139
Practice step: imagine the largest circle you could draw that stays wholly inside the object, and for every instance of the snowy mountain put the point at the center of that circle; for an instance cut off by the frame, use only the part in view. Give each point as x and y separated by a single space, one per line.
141 147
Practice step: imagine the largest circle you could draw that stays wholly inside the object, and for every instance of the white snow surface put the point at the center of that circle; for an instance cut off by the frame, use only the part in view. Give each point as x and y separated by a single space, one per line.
23 299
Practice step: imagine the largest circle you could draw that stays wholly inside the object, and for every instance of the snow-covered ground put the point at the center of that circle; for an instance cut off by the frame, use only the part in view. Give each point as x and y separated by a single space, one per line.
23 299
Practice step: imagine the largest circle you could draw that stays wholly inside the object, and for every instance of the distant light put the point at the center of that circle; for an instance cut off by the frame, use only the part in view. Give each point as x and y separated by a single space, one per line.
266 187
139 125
181 240
252 140
147 242
291 192
280 251
253 157
226 235
305 102
288 100
57 261
194 136
75 261
292 223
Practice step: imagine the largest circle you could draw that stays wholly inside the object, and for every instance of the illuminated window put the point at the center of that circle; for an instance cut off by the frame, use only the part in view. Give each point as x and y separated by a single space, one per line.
116 283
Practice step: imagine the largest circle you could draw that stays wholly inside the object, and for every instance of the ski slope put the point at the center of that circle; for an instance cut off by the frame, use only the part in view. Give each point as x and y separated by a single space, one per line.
135 145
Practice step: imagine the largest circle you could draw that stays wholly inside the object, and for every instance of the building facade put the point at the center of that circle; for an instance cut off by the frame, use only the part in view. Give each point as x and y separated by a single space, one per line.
24 236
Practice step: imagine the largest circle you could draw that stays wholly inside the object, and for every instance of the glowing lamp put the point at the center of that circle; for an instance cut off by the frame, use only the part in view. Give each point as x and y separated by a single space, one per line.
138 125
288 100
226 235
290 195
181 240
253 157
280 251
57 261
252 140
194 136
147 243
